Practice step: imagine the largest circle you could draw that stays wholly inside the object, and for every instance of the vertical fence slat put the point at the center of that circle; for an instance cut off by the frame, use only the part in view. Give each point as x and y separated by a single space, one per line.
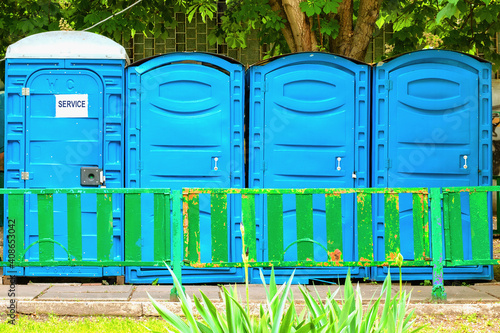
104 226
46 225
74 206
438 291
391 230
192 227
275 227
218 203
479 223
249 232
446 225
365 231
333 203
304 202
133 231
177 236
420 226
162 230
455 243
15 222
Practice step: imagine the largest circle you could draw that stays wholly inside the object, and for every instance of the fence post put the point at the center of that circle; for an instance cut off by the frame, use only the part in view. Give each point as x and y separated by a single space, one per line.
438 292
177 239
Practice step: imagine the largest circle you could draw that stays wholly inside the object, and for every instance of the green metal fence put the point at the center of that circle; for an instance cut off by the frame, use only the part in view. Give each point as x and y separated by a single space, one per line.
177 238
305 242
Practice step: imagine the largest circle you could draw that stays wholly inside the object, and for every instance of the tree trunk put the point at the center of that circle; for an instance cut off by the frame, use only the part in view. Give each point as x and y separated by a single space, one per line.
353 41
298 31
277 7
367 16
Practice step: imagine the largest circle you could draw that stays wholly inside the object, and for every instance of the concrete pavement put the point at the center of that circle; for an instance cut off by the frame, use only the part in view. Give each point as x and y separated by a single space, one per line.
77 299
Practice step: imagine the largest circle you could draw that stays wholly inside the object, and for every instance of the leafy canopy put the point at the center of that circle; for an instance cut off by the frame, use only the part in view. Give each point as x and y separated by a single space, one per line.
463 25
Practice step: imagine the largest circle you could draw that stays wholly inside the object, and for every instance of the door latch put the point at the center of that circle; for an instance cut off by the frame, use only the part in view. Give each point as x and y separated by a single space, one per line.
216 159
465 161
339 159
91 176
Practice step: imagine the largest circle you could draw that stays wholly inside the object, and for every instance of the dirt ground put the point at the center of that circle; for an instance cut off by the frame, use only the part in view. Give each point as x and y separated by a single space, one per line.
469 323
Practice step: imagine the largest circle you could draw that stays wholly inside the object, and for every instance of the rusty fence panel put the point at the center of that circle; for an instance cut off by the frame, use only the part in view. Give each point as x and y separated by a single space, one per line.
305 239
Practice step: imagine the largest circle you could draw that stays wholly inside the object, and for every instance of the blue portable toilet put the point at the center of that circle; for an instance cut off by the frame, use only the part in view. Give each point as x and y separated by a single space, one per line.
185 129
309 128
431 128
49 144
2 138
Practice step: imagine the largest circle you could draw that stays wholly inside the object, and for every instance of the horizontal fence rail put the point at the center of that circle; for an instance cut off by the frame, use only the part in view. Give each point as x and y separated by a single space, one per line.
177 218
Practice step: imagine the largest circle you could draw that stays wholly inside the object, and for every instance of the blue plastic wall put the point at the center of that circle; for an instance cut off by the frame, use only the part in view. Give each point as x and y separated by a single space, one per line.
2 138
309 128
53 149
185 129
431 109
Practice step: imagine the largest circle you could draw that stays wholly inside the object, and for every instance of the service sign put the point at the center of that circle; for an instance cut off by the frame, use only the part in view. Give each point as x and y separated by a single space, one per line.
72 106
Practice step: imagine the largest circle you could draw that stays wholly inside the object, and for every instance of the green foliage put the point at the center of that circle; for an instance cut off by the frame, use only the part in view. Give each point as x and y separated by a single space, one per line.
462 25
317 7
279 313
18 18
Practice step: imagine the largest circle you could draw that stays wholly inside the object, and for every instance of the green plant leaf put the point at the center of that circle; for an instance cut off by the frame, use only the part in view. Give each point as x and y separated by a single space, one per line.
169 316
185 302
331 6
448 11
287 322
281 307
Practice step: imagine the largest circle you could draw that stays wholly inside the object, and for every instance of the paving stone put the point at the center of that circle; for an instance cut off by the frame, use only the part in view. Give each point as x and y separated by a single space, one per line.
162 293
22 292
257 292
126 309
76 296
82 293
90 289
418 293
492 290
368 291
461 294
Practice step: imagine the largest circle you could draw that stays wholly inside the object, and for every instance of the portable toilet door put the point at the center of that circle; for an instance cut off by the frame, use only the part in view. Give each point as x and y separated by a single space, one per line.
64 117
308 129
431 128
185 130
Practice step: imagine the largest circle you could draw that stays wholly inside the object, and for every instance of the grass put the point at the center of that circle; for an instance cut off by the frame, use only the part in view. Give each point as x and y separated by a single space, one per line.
54 324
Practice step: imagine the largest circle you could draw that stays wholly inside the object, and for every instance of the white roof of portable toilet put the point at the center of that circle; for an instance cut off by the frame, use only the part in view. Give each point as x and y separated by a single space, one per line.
67 45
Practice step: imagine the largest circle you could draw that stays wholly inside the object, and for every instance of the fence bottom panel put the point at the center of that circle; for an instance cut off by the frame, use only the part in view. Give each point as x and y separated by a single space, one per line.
147 275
